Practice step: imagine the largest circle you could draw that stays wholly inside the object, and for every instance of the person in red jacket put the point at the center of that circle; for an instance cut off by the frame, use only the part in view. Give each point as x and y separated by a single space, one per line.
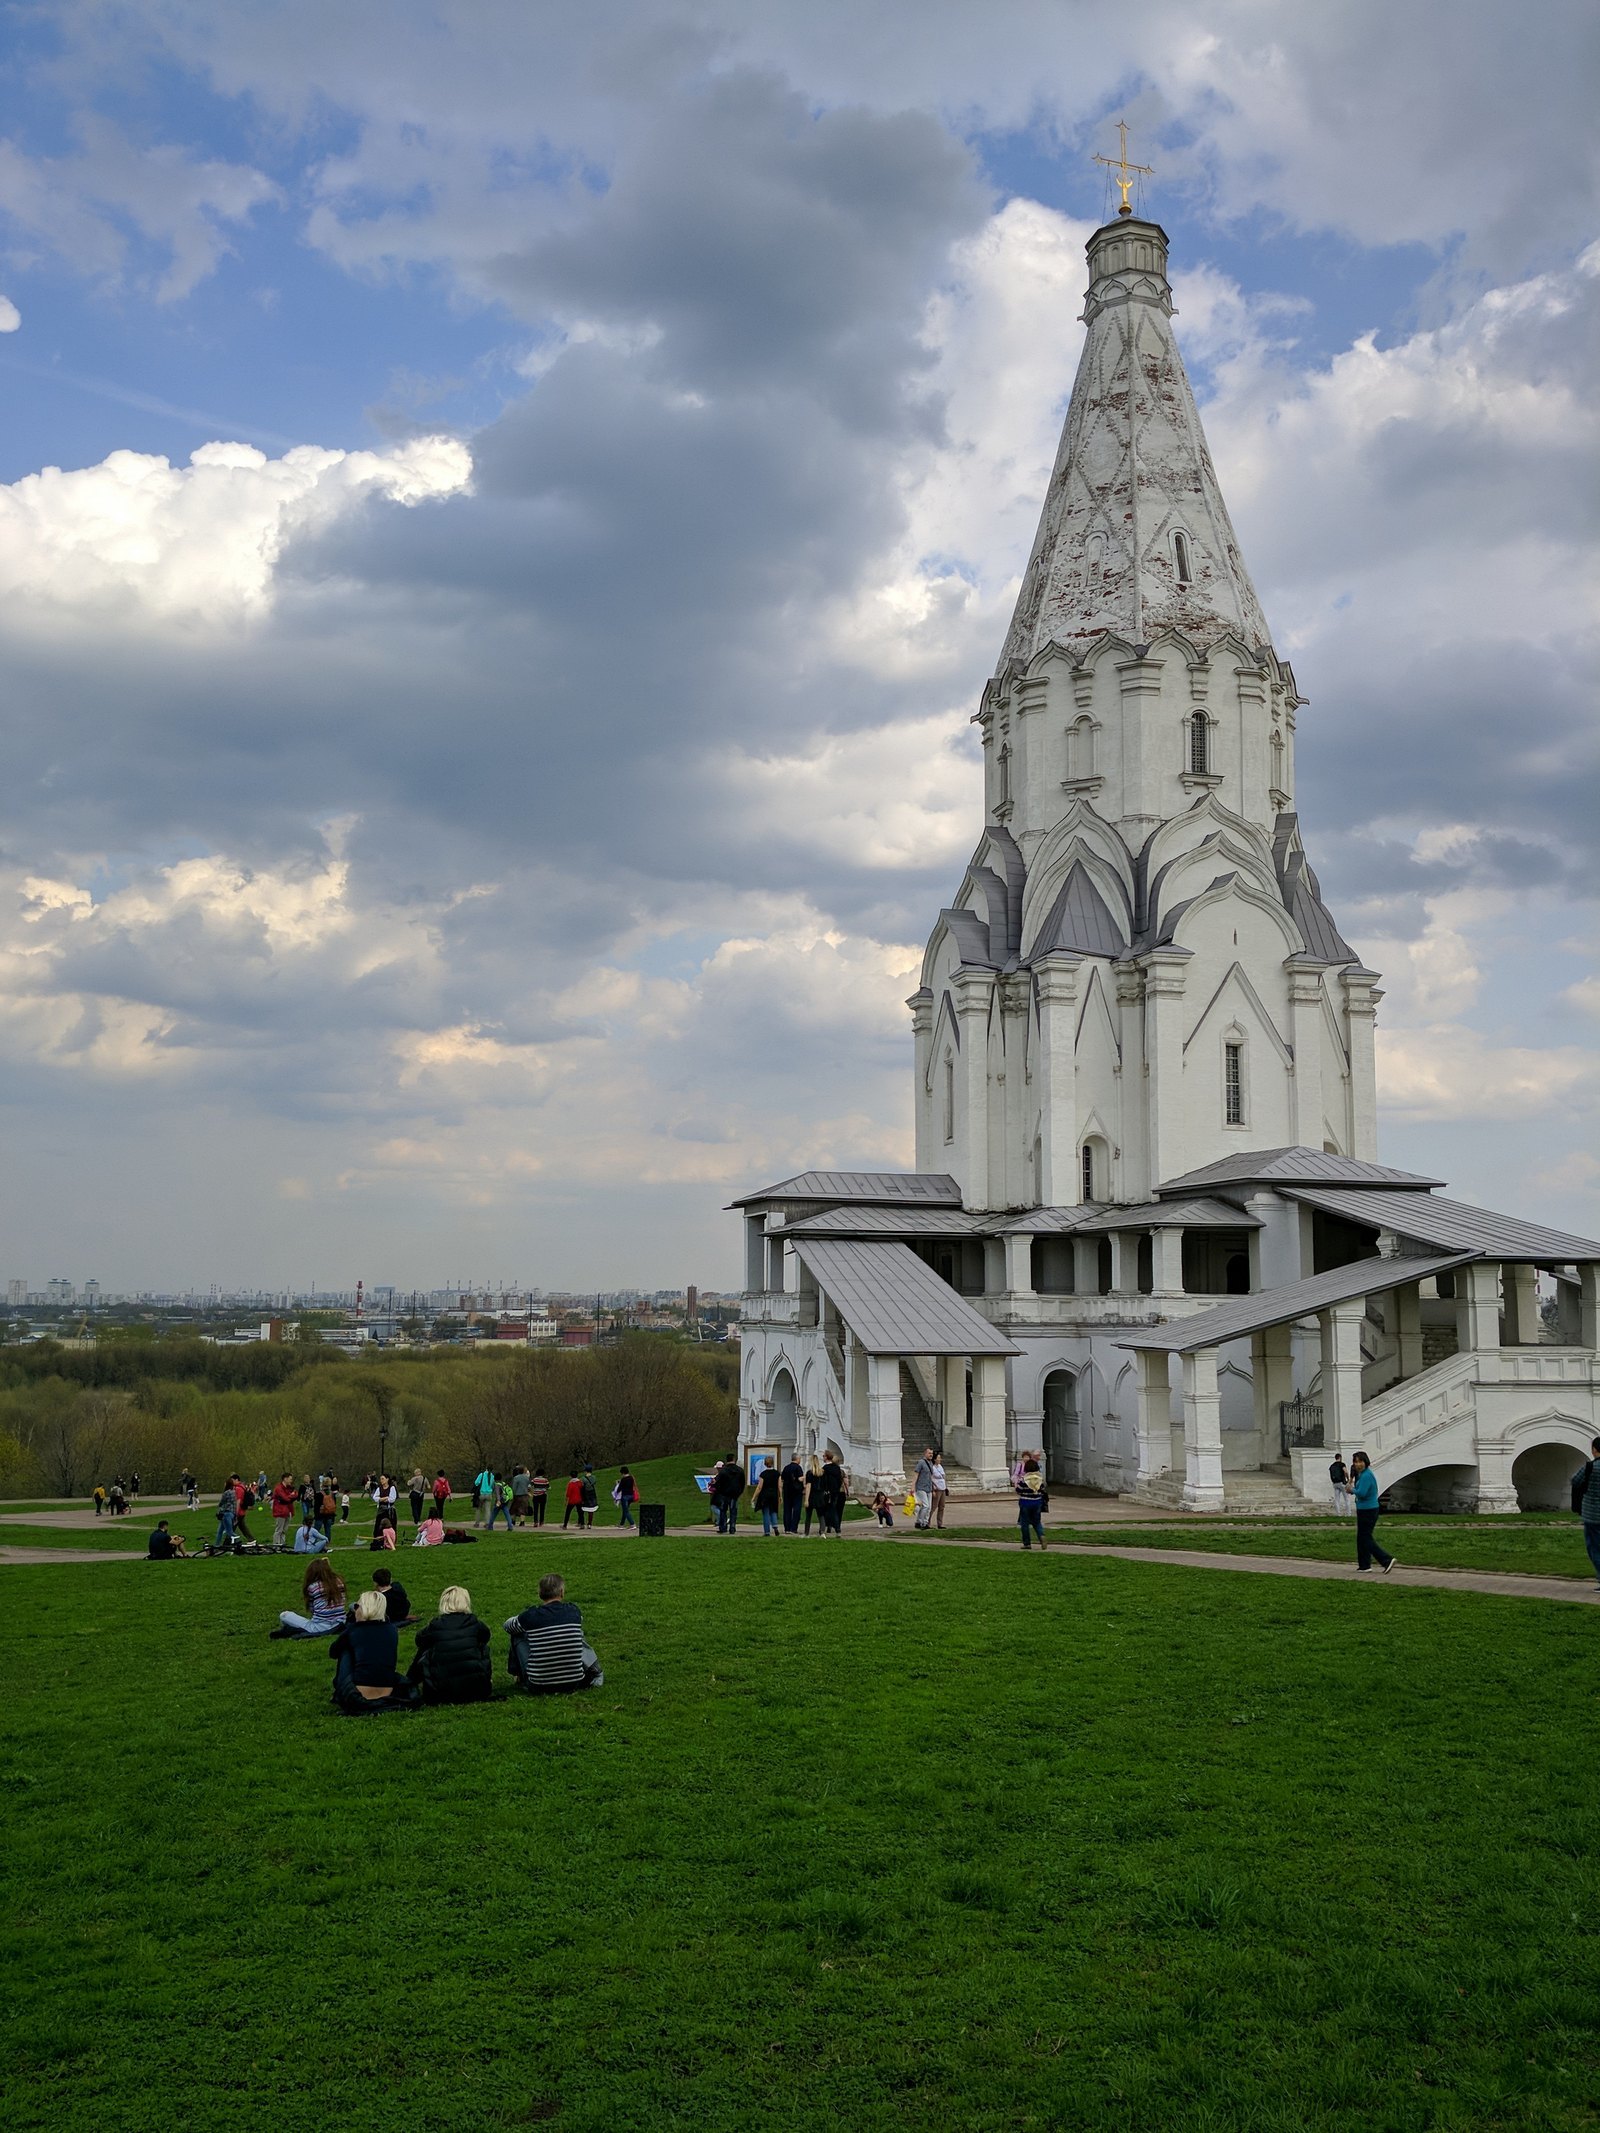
574 1504
285 1506
441 1492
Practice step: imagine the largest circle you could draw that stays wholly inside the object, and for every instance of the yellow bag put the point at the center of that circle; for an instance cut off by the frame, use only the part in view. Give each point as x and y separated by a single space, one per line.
911 1507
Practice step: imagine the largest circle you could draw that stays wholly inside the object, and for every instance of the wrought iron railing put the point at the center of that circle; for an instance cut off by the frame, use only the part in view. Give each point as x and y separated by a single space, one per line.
1299 1423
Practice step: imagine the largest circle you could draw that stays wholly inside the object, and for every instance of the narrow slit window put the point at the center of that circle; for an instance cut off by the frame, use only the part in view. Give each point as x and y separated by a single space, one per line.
1233 1083
1180 556
1005 777
1199 744
949 1099
1088 1173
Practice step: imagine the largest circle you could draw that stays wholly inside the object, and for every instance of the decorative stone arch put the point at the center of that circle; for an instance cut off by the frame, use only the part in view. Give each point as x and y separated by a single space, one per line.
1199 750
1080 838
1234 886
1083 747
783 1405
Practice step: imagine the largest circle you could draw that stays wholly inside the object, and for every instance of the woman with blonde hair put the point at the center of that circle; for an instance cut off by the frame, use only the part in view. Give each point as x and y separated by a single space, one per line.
365 1675
323 1595
453 1663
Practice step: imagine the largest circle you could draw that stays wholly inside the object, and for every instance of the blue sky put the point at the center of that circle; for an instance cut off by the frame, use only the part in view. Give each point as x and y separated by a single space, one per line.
485 811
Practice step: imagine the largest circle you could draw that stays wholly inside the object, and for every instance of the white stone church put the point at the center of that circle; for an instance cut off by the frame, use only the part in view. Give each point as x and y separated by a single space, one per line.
1145 1101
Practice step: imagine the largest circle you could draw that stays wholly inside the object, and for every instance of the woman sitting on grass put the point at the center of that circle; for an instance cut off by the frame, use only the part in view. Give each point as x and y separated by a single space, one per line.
430 1532
452 1663
322 1591
365 1677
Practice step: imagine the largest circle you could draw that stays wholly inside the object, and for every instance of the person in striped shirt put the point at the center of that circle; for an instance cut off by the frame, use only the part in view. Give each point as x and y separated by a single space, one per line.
550 1655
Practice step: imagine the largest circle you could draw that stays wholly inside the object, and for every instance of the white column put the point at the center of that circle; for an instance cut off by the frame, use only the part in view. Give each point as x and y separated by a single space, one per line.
1408 1327
1361 998
885 1451
1086 1266
1153 1433
989 1421
1166 1256
775 1266
1589 1306
1202 1432
1522 1306
1341 1376
1125 1262
929 1150
1477 1306
1019 1264
974 991
1057 1079
755 1254
1271 1383
1165 976
1305 1036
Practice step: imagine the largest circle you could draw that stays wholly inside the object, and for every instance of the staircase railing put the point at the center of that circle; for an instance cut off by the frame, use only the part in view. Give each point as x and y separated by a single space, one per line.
1299 1423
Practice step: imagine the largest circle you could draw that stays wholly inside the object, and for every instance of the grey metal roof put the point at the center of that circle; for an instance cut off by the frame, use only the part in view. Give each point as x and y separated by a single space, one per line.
896 1305
860 1221
1294 1299
1080 921
1449 1224
1170 1214
1039 1221
887 1187
1291 1166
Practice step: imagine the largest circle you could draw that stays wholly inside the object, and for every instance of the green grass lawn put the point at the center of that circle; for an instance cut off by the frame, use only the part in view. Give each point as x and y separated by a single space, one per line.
853 1837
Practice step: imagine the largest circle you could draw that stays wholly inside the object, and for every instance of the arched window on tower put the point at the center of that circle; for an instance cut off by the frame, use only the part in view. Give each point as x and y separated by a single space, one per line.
1233 1081
1199 730
1003 775
1180 559
1278 785
1080 748
1096 1170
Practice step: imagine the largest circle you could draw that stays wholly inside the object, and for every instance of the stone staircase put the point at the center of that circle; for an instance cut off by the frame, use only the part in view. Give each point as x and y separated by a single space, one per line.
1268 1492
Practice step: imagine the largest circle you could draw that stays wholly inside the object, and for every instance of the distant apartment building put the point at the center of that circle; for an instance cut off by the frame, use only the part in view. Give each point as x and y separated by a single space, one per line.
16 1292
60 1291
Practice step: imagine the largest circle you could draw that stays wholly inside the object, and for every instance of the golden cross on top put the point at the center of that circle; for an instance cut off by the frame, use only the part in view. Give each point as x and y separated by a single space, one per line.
1124 171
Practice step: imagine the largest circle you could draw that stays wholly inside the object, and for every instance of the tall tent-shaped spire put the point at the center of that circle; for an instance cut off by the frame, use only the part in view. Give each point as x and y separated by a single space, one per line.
1134 537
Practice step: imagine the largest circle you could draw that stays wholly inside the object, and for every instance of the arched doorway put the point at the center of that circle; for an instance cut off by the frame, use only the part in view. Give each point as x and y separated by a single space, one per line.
783 1409
1063 1454
1542 1476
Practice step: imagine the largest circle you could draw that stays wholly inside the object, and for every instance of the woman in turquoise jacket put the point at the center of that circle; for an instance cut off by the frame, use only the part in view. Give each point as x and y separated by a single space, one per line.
1368 1550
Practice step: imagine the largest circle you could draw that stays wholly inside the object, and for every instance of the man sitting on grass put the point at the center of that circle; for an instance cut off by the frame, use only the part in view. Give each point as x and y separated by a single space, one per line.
549 1655
166 1547
399 1604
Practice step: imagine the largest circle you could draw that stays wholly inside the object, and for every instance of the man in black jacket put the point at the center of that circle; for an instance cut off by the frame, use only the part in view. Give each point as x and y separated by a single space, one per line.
453 1662
793 1481
726 1490
832 1494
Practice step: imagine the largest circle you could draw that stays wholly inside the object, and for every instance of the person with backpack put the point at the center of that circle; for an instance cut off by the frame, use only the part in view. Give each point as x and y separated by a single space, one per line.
1341 1485
482 1494
1586 1502
588 1500
1032 1501
308 1502
625 1493
441 1493
500 1501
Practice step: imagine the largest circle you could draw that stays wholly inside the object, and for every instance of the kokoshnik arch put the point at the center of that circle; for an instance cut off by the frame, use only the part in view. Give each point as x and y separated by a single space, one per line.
1145 1087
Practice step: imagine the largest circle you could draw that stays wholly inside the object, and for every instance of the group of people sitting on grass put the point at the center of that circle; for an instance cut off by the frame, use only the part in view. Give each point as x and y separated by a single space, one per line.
548 1656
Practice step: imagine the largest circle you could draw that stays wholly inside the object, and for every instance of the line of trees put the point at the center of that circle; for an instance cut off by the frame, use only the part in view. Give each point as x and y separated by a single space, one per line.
78 1416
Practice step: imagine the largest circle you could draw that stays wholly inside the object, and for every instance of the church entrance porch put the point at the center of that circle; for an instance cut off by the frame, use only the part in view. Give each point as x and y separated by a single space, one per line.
1063 1448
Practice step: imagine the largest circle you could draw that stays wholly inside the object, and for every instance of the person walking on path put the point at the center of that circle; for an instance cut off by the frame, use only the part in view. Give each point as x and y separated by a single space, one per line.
442 1493
1586 1502
521 1483
99 1498
119 1497
922 1490
133 1486
283 1508
1341 1485
1368 1549
726 1491
191 1490
792 1481
588 1500
482 1494
941 1491
814 1498
417 1490
573 1507
833 1495
538 1497
768 1499
1031 1503
626 1495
